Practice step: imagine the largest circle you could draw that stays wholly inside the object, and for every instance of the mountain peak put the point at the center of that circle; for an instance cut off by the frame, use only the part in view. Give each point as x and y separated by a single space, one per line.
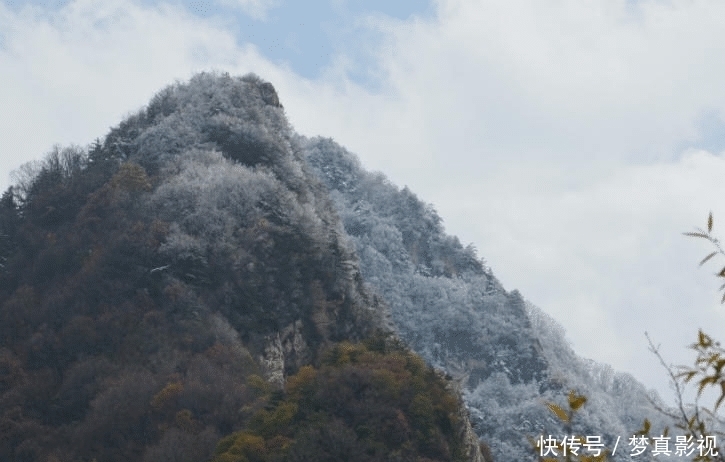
185 290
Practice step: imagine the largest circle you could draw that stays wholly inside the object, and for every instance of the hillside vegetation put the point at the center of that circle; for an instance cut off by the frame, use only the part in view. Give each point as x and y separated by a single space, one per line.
183 290
204 284
509 356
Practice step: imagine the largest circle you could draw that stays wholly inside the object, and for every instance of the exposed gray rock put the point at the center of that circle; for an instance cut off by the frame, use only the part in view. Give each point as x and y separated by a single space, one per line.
269 94
283 351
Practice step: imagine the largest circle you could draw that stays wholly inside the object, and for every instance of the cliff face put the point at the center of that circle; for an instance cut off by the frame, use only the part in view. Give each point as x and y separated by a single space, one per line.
185 290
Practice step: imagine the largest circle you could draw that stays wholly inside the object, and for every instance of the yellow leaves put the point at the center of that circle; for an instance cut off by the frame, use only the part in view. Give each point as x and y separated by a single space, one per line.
646 427
600 458
342 353
576 401
718 364
415 364
710 361
708 235
184 419
248 447
688 375
559 412
722 395
131 177
240 447
302 382
258 384
421 407
389 383
705 382
269 423
709 366
345 397
167 395
703 340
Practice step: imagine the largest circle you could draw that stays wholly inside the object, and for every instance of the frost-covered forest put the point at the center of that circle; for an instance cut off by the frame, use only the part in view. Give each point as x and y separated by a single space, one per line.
509 355
203 283
182 290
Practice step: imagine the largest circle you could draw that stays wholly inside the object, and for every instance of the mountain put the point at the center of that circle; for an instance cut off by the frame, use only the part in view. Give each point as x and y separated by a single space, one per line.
184 290
508 355
204 284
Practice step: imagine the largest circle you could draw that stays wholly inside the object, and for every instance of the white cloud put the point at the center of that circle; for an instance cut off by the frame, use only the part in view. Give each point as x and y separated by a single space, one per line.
549 135
569 82
68 76
606 259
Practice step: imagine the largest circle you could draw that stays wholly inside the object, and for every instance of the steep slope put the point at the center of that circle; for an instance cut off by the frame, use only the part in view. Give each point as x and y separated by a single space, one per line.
184 291
509 357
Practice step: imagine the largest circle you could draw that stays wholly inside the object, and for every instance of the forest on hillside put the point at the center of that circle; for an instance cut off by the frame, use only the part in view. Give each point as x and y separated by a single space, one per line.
202 283
183 290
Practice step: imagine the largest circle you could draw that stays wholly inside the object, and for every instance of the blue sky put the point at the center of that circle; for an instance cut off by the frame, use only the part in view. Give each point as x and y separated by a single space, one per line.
303 35
306 35
570 141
